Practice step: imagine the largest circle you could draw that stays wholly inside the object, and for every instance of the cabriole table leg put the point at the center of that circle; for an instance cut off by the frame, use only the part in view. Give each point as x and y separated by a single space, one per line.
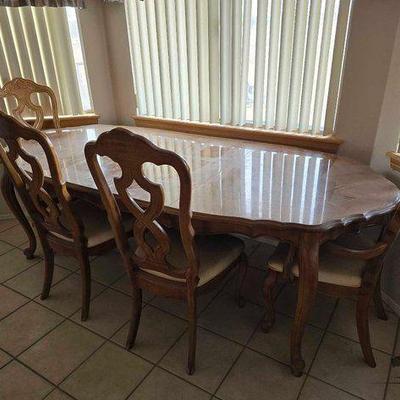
308 282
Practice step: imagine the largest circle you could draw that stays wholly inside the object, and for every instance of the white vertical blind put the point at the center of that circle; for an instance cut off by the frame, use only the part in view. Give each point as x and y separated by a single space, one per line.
37 43
273 64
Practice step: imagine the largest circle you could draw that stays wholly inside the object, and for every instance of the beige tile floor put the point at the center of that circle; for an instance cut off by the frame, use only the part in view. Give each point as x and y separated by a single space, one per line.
47 353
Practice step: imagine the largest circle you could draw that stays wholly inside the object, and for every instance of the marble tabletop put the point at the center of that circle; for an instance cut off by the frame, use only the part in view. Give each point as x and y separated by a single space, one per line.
242 179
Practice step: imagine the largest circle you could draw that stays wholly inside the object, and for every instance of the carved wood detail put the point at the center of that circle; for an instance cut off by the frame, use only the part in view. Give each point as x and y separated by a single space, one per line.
151 238
22 89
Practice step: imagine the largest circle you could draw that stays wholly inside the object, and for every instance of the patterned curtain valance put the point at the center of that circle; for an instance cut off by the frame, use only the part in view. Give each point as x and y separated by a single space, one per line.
43 3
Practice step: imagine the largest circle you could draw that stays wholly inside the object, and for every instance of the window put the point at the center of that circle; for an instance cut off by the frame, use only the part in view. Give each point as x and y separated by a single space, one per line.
44 45
273 64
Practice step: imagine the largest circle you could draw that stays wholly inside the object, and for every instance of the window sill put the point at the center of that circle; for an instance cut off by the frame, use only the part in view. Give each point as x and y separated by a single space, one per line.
67 121
329 143
394 158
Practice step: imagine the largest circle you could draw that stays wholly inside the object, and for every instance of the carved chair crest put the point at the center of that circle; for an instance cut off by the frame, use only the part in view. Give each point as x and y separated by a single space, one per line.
50 211
22 89
131 151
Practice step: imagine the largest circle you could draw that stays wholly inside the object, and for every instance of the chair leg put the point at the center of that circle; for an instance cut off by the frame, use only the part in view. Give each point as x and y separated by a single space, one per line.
85 282
379 308
135 320
363 329
48 269
240 280
269 285
192 321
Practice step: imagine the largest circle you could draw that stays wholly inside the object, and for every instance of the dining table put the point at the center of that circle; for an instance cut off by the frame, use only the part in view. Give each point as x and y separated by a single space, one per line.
295 195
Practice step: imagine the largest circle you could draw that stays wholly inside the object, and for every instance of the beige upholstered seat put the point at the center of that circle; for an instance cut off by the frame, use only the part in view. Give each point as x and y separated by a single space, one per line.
97 227
215 254
333 269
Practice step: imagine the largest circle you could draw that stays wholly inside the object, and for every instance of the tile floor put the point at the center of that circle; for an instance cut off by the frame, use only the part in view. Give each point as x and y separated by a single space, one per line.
47 353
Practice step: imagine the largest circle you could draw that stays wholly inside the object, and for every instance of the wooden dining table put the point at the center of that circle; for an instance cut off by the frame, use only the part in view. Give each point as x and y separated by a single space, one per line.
253 189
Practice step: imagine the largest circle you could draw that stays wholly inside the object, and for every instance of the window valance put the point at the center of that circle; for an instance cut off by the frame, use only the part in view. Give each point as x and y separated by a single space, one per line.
43 3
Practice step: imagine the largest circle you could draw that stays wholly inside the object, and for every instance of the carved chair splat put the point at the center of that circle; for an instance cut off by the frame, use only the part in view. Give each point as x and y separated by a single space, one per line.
22 89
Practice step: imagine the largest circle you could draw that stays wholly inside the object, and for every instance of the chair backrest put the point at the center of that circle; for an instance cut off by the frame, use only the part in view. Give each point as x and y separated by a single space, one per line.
22 89
131 151
52 212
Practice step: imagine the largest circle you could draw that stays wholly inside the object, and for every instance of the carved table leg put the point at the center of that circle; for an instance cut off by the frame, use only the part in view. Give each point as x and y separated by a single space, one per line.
8 191
308 282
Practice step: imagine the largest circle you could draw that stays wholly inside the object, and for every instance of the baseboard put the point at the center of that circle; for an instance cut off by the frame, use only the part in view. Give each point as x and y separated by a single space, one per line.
391 303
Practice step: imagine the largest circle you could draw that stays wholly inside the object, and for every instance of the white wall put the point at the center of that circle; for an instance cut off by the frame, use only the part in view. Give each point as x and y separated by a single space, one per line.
121 69
106 46
387 138
373 30
98 61
388 132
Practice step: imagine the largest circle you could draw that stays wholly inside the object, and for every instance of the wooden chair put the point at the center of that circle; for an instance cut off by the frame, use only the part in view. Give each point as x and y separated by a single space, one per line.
64 226
166 262
22 89
349 266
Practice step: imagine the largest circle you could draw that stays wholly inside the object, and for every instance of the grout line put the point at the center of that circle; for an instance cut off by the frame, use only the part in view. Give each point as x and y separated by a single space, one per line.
397 337
356 341
162 310
12 226
336 387
244 347
242 350
18 244
155 365
81 363
43 377
26 269
325 331
62 391
16 309
107 340
4 283
307 373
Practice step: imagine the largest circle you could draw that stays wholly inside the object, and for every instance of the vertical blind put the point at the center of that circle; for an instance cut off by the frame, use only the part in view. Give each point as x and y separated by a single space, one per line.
273 64
43 44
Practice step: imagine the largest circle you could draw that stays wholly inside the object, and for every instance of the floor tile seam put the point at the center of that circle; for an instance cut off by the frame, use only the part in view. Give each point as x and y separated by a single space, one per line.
335 387
29 300
223 336
16 246
33 265
13 226
9 245
80 364
24 270
57 388
318 347
157 365
244 347
397 337
356 341
40 338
